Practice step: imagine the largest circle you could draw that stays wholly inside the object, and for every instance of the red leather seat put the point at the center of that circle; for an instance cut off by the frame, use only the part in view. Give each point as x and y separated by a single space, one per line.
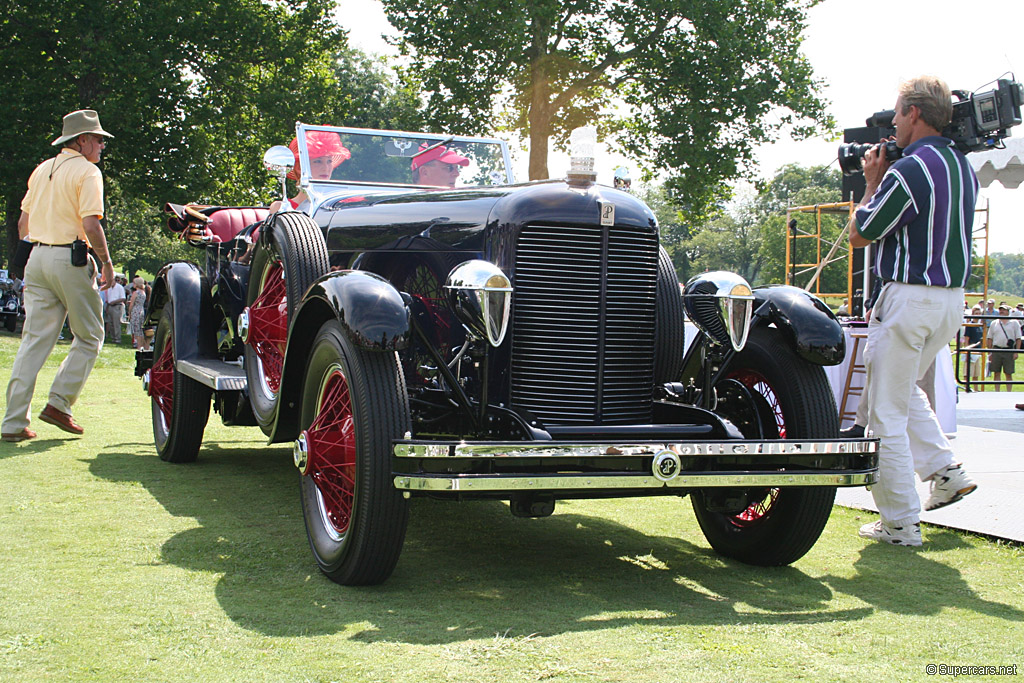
226 223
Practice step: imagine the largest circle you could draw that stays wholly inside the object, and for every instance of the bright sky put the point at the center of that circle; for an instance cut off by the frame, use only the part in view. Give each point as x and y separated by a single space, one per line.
861 51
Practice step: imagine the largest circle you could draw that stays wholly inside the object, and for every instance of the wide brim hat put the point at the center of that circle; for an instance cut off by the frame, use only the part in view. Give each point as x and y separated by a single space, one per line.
319 143
442 154
79 123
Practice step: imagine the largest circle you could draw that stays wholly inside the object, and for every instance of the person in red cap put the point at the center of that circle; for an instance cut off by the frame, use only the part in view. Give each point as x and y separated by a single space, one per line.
326 153
437 166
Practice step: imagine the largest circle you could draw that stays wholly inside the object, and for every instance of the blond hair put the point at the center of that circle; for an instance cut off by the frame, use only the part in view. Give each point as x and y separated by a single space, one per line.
932 98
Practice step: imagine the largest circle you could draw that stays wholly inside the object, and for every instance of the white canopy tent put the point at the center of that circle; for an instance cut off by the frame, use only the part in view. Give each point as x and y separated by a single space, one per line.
1003 165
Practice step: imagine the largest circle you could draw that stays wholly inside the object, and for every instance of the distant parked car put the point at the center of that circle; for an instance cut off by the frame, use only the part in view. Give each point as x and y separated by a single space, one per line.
522 342
10 304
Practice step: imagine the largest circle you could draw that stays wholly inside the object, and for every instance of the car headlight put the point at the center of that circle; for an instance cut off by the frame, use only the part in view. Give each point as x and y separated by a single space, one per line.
720 304
481 296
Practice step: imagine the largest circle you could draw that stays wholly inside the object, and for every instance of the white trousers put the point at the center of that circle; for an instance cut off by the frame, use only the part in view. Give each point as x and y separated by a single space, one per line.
54 289
909 325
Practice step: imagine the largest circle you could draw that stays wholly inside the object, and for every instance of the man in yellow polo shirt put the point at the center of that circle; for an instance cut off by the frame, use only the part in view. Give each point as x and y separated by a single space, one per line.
64 203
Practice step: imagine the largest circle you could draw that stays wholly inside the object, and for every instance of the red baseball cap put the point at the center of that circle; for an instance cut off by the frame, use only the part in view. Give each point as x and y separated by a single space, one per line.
442 154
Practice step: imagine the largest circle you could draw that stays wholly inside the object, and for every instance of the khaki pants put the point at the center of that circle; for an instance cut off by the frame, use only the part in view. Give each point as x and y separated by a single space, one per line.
54 289
909 325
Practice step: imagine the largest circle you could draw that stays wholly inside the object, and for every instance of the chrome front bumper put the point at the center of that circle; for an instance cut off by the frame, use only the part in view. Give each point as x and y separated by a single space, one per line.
648 466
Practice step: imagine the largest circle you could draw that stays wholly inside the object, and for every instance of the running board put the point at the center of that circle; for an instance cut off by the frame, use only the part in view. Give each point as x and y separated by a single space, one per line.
216 374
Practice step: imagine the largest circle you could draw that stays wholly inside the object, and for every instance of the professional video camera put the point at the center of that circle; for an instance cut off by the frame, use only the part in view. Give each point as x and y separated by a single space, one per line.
980 121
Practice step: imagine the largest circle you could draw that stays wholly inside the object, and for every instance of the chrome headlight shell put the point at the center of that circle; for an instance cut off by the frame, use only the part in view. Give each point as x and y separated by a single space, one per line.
481 296
720 303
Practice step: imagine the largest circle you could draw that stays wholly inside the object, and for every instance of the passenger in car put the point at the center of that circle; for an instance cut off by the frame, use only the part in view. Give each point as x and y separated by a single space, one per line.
326 153
438 167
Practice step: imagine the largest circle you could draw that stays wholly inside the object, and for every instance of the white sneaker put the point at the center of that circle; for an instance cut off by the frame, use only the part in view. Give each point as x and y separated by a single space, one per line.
897 535
949 485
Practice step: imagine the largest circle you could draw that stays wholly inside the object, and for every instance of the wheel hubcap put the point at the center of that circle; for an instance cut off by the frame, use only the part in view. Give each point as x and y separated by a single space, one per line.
330 452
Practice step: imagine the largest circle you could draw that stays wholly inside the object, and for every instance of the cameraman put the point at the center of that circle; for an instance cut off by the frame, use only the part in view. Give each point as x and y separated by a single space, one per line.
920 211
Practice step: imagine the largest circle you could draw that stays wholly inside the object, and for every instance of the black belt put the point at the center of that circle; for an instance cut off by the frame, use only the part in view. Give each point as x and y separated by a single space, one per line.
44 244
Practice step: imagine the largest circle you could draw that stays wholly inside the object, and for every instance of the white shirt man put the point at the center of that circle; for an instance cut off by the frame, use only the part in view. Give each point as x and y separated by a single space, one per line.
113 310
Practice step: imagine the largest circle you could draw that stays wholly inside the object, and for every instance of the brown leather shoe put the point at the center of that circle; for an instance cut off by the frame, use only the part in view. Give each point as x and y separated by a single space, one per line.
23 435
60 420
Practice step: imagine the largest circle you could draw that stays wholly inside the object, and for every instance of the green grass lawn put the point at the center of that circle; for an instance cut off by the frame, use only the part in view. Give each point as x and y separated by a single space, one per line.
119 567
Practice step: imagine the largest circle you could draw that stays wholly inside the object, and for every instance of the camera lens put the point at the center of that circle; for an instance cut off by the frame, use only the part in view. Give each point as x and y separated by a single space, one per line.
851 155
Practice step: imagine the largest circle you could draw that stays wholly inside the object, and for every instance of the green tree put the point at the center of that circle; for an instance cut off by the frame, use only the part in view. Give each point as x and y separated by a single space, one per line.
194 91
691 87
675 230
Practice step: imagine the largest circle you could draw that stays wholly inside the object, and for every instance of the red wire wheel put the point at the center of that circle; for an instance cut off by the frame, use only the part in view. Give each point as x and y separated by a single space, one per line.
161 385
268 328
759 385
331 448
353 406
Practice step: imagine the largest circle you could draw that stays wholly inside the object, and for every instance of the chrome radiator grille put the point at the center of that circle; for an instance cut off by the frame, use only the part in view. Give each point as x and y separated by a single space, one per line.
583 324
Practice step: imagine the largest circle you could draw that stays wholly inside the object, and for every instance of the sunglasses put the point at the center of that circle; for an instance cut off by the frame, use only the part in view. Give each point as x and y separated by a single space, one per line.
451 168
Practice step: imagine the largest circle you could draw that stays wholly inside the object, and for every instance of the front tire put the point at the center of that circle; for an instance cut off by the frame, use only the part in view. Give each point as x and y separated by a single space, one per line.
289 258
791 399
353 404
180 405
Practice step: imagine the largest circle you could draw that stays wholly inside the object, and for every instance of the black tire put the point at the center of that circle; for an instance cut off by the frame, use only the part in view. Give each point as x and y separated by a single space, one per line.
670 340
353 404
180 405
795 401
11 323
294 245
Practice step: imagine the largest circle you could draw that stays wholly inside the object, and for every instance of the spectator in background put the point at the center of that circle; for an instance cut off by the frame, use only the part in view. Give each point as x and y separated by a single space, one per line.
113 311
136 313
972 340
1004 334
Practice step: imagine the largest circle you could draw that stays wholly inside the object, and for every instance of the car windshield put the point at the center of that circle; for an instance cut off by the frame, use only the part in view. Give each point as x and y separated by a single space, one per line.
361 156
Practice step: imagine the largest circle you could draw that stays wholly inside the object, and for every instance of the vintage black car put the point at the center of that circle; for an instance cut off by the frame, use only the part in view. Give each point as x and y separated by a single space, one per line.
492 340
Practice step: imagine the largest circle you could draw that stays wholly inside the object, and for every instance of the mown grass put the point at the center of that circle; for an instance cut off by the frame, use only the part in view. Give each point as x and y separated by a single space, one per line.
119 567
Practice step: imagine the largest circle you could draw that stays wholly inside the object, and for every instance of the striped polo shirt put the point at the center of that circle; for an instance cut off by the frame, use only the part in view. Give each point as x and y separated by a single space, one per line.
922 216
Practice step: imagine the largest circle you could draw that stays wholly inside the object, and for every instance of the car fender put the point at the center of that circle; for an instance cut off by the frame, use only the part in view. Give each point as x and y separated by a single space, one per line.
183 284
372 314
805 322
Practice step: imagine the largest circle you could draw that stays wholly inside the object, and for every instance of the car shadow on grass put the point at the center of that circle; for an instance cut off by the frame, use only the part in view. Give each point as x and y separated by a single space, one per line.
471 570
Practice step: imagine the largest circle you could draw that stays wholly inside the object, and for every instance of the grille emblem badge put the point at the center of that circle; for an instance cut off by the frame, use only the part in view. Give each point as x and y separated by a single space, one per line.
666 465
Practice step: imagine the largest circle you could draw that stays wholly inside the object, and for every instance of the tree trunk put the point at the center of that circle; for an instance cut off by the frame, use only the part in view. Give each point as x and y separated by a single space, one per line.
539 118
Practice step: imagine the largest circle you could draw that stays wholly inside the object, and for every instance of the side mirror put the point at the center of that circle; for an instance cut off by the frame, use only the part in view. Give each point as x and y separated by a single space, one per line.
279 160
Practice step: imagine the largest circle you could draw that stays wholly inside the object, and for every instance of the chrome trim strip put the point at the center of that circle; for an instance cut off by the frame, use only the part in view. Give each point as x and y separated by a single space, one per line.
217 375
577 482
548 449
